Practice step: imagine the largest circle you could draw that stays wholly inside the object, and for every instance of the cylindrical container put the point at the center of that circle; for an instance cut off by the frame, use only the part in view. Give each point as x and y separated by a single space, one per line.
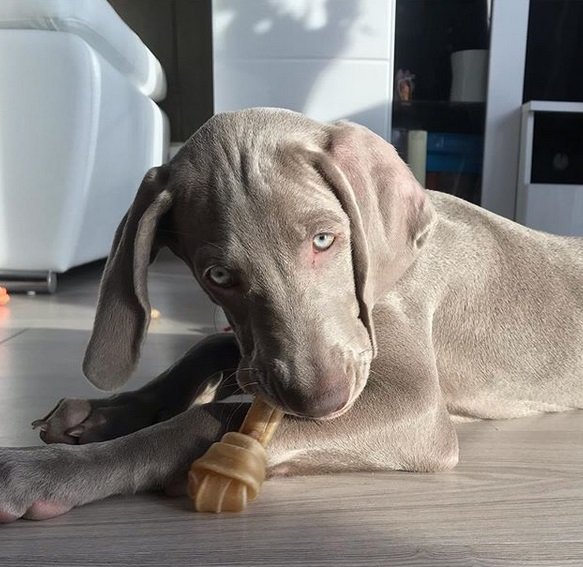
469 72
417 154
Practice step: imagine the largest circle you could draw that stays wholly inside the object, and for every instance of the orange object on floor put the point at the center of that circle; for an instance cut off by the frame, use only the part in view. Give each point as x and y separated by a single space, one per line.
4 297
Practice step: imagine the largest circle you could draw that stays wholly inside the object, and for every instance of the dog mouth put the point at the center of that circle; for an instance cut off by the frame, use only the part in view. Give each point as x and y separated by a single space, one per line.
254 383
251 385
312 417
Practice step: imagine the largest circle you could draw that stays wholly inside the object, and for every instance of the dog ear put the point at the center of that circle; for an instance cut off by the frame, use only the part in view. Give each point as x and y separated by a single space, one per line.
123 309
390 213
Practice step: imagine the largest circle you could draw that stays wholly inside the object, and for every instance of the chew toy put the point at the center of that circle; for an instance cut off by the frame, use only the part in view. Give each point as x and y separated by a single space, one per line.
4 297
231 472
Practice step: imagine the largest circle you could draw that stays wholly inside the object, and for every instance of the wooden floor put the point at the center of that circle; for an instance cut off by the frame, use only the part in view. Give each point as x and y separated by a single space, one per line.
515 499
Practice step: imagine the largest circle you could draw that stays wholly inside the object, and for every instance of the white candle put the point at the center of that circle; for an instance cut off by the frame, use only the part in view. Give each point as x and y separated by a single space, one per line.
417 153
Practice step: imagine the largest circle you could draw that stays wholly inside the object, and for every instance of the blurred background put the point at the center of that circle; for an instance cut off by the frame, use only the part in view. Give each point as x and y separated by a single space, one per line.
482 98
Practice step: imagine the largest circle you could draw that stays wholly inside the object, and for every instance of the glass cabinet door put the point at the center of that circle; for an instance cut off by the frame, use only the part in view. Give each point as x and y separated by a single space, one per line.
439 104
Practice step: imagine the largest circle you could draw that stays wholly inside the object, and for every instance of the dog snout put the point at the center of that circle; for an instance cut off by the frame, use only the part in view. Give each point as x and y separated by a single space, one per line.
309 392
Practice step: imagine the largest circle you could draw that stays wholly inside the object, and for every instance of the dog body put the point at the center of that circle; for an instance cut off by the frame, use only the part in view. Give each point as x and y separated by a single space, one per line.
373 312
505 305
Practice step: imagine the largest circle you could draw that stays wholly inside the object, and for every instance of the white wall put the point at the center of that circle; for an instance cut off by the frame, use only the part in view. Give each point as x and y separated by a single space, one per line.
329 59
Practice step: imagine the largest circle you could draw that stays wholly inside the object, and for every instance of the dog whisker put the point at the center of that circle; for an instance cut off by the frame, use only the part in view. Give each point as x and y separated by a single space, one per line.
234 412
225 378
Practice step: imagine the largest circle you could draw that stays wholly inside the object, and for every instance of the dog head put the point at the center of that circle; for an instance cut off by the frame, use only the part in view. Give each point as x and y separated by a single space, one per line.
295 228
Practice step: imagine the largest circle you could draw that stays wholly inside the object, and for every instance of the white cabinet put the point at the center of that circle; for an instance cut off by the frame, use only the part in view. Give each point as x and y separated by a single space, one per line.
550 178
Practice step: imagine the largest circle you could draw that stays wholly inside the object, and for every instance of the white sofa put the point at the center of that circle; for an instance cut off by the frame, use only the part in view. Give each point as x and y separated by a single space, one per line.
79 126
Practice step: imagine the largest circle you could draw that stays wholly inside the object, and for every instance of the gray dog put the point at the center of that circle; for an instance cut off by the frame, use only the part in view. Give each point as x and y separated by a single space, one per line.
374 312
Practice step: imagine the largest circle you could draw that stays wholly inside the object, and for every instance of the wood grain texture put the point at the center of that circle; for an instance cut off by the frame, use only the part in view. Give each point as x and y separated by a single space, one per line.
515 499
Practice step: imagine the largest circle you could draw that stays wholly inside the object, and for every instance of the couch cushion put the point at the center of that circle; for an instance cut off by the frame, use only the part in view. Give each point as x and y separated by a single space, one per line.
98 24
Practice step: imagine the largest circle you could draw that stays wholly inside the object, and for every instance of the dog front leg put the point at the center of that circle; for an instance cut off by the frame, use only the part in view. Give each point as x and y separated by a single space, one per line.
390 427
43 482
205 373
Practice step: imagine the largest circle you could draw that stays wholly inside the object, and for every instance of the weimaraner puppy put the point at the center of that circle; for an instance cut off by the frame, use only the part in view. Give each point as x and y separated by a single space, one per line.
373 312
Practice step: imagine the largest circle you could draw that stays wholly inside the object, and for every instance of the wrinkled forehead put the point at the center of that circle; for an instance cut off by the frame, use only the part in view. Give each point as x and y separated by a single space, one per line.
257 198
277 200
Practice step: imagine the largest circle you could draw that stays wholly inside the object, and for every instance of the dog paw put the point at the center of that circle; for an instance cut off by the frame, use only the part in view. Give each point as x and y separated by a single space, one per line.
35 484
77 422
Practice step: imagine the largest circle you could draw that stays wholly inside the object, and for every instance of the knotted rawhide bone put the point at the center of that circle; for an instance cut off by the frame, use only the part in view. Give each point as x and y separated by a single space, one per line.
231 472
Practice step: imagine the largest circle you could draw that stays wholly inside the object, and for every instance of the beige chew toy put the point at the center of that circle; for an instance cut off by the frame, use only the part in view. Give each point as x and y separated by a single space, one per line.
231 472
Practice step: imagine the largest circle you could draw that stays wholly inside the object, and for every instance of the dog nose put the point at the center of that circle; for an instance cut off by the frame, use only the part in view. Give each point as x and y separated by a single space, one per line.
316 401
307 389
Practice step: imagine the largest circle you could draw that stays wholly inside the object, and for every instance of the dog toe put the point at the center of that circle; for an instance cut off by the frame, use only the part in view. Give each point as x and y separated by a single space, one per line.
64 418
45 510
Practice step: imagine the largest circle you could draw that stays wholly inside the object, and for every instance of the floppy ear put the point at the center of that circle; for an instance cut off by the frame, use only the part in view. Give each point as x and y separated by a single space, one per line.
390 213
123 309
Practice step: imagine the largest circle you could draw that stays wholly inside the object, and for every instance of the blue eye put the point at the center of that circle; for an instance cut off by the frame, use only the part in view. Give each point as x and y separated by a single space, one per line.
220 276
323 241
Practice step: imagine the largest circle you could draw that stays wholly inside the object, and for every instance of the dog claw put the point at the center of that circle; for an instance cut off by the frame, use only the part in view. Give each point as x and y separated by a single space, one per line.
50 414
39 423
76 431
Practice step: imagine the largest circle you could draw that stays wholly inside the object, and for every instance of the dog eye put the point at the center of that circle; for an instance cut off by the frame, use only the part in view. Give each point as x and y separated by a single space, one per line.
323 241
220 276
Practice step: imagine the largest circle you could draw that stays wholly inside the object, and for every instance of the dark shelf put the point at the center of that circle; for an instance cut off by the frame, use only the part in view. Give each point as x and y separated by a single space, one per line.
440 116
